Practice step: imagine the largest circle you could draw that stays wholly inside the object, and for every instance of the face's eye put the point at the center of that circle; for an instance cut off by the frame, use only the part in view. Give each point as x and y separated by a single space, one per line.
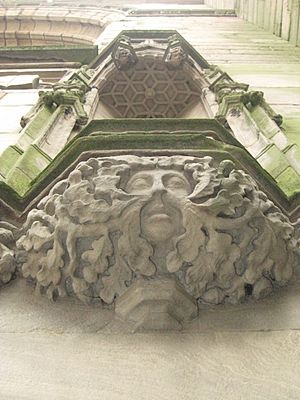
139 183
177 184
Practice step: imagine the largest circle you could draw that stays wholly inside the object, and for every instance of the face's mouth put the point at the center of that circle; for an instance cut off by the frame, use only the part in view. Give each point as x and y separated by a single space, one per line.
157 207
159 219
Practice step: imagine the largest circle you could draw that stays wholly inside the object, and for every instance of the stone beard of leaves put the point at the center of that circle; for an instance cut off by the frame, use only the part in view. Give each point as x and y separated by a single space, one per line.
118 219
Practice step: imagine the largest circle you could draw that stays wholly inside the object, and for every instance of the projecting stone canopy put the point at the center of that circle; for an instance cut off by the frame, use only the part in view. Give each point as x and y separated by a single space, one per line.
153 237
150 79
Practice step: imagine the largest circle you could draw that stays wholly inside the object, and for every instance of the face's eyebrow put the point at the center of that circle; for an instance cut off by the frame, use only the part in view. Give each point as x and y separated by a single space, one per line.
176 175
138 176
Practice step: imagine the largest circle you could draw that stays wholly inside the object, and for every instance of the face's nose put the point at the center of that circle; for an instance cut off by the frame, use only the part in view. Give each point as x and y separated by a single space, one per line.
158 185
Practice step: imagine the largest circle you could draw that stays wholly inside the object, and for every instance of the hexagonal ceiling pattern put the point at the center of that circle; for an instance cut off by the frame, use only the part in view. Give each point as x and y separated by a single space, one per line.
149 90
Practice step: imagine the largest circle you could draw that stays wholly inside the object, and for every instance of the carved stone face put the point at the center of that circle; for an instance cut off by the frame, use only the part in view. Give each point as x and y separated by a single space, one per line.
176 57
160 217
123 56
124 59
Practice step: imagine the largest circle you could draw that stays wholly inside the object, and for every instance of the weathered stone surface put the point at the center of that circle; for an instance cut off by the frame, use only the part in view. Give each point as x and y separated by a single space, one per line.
226 365
55 339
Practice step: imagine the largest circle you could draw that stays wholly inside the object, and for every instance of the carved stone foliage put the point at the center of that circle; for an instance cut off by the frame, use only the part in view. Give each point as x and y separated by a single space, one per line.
117 220
7 253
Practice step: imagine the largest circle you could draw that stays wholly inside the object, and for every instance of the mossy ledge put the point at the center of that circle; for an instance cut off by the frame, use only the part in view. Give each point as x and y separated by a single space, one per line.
96 140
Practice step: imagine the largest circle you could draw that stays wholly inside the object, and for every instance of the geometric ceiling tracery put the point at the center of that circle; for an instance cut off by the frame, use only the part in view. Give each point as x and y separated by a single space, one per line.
150 90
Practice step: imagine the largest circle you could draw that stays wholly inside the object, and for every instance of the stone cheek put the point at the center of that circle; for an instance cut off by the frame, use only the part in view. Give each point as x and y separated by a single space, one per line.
166 231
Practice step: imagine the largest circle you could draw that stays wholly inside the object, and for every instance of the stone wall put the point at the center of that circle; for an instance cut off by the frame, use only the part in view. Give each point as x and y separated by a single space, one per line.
220 4
280 17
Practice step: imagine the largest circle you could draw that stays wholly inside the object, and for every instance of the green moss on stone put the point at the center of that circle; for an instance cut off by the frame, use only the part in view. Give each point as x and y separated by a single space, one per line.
96 144
19 181
83 54
8 159
33 162
273 161
39 122
266 125
206 127
291 127
289 181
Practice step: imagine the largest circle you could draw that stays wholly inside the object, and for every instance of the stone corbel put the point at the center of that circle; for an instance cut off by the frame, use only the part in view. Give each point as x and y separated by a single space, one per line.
175 55
67 94
256 98
123 54
224 86
154 237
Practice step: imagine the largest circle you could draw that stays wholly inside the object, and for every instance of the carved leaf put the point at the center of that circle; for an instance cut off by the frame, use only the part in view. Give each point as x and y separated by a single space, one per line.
36 237
98 256
115 283
199 274
7 264
187 248
205 187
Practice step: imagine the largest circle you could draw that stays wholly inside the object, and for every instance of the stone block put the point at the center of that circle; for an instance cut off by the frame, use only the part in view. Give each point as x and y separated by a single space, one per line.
289 181
273 161
9 157
293 155
264 122
280 140
156 305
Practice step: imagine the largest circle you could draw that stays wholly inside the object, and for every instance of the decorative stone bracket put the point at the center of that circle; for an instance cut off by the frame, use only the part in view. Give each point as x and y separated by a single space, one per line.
256 98
154 237
67 95
70 93
175 54
123 54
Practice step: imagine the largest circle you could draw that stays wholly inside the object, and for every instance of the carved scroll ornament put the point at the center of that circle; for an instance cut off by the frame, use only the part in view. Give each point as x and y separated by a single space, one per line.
116 220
